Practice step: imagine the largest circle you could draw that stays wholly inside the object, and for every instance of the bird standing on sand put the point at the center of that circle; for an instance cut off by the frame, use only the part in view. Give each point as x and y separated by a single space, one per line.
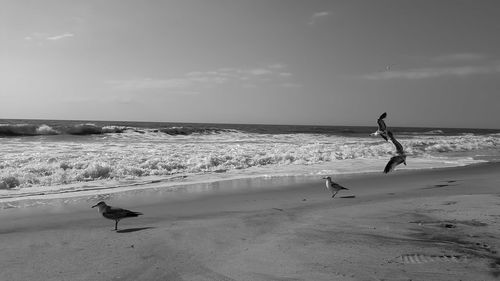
114 213
382 128
398 159
333 187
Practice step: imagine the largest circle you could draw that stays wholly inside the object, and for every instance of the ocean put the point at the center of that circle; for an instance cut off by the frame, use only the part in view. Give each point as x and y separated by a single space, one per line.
56 156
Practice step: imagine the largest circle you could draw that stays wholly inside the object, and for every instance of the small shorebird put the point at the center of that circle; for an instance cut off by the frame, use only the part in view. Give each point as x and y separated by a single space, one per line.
398 159
382 128
333 187
114 213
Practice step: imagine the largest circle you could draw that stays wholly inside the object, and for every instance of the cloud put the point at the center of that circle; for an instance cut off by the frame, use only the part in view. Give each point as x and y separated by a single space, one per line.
316 16
197 80
260 71
433 72
40 37
61 36
35 36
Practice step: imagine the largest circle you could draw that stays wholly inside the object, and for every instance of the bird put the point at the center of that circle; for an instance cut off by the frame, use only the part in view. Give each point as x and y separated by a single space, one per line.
382 128
333 187
399 147
397 159
393 162
114 213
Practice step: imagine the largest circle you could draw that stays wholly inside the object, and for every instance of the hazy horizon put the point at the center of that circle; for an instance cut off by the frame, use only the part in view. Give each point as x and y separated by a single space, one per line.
256 124
281 62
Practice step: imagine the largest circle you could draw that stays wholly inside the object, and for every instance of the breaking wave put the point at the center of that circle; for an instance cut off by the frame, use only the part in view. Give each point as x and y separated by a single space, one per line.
433 132
430 132
24 130
125 154
193 130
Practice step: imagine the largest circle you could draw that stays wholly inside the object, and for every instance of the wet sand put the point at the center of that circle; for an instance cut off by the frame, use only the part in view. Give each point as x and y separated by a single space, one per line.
441 224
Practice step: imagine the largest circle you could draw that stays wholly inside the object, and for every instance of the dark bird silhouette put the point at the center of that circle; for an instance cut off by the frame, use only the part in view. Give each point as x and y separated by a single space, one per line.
333 187
393 162
382 128
114 213
399 158
399 147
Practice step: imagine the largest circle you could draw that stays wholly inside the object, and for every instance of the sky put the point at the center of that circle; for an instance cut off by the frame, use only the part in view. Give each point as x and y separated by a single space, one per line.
426 63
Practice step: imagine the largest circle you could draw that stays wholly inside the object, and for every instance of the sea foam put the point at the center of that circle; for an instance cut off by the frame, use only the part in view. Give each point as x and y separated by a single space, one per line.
134 155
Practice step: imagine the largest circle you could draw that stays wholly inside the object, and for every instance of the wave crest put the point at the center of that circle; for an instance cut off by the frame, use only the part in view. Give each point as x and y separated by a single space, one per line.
85 129
124 156
431 132
11 130
174 131
25 130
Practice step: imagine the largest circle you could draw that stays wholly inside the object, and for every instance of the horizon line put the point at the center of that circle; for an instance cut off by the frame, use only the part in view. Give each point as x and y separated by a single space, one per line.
254 124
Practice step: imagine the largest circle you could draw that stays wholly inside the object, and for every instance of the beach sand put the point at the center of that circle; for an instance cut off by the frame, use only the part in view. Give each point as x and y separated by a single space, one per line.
440 224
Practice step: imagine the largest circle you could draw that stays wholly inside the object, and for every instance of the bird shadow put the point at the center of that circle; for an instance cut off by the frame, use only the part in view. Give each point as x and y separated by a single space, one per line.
128 230
438 186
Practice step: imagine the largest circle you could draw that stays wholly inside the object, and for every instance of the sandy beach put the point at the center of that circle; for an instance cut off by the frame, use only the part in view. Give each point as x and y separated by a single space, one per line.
191 140
440 224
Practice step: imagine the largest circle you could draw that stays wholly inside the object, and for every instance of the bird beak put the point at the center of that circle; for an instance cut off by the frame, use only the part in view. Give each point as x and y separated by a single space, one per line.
94 206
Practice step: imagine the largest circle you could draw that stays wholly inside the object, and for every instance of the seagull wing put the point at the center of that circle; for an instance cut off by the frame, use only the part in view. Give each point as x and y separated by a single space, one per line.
390 165
381 123
393 162
338 186
383 136
119 213
399 147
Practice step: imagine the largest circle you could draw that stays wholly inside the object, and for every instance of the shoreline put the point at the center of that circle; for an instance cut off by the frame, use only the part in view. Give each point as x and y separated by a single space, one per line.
77 192
439 224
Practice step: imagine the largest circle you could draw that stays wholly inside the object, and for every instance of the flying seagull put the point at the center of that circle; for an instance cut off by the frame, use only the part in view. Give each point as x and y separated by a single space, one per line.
393 162
333 187
114 213
382 128
398 159
399 147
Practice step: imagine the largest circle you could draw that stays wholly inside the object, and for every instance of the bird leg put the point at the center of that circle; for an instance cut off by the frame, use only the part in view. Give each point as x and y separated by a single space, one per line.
116 224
